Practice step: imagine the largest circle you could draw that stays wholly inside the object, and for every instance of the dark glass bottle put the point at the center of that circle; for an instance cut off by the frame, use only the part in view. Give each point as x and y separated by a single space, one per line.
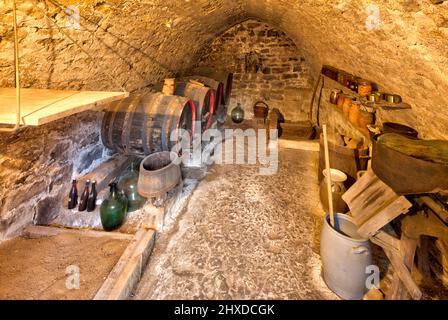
128 184
113 209
84 197
73 196
91 202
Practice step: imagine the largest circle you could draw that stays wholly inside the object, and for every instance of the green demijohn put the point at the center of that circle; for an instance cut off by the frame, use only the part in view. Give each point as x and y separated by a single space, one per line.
237 114
128 184
113 209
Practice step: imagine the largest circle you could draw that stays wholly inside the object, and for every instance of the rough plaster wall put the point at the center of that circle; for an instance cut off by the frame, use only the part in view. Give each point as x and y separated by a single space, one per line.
127 39
37 165
283 81
406 55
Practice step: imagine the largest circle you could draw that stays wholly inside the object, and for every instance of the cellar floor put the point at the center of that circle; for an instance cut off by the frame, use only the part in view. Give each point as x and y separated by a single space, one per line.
244 236
36 268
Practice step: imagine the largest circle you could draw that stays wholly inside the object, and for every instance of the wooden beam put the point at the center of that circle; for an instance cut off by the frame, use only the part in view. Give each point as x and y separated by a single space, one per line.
403 273
386 241
434 206
408 249
106 171
127 272
299 145
41 231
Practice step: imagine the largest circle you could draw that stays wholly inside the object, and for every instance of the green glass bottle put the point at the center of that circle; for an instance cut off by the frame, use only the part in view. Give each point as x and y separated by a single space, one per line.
113 209
237 114
128 184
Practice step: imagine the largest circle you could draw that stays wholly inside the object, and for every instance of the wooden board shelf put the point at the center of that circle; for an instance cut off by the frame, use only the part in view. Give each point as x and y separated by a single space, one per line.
40 106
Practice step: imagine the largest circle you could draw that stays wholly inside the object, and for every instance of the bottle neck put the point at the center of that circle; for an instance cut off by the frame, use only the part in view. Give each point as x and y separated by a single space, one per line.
113 190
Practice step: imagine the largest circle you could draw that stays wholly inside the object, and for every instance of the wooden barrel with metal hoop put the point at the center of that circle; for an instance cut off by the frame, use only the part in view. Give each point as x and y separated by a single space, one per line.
142 124
204 98
217 86
224 77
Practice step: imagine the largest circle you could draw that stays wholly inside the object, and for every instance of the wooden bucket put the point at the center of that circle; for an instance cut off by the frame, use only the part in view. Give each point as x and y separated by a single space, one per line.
142 124
158 175
204 98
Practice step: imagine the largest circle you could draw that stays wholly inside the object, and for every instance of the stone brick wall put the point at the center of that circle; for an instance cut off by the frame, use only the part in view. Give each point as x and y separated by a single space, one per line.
37 165
284 78
138 43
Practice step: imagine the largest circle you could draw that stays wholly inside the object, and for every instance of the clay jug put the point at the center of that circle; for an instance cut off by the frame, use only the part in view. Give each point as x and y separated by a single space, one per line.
346 106
337 189
366 116
353 114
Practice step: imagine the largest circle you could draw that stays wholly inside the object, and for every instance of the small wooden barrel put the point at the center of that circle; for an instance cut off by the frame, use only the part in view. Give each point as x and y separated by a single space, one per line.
204 98
142 124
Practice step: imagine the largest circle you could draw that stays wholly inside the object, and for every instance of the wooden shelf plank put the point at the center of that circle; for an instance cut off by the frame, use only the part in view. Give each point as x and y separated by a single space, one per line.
40 106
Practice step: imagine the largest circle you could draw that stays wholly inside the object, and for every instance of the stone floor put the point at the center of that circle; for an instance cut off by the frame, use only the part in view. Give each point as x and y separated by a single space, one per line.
244 236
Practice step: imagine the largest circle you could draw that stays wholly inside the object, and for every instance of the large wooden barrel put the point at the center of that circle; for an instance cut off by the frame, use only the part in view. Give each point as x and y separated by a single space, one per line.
217 86
224 77
142 124
204 98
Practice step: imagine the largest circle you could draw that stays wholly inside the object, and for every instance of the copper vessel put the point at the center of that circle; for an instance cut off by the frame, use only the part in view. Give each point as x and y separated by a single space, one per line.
334 96
346 106
364 88
353 114
341 99
366 116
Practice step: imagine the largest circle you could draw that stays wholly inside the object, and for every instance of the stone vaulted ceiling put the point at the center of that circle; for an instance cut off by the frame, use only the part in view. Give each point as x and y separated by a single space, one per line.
140 42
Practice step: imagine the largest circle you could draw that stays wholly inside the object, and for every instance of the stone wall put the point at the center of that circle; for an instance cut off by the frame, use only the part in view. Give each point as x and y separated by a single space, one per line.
283 79
37 165
135 44
399 44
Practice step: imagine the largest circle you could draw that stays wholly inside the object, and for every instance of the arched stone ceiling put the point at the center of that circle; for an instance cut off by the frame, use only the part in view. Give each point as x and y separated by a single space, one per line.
130 40
407 54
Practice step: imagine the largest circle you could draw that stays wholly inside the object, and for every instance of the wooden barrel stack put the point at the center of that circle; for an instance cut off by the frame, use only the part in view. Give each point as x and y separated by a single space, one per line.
142 124
226 79
203 97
